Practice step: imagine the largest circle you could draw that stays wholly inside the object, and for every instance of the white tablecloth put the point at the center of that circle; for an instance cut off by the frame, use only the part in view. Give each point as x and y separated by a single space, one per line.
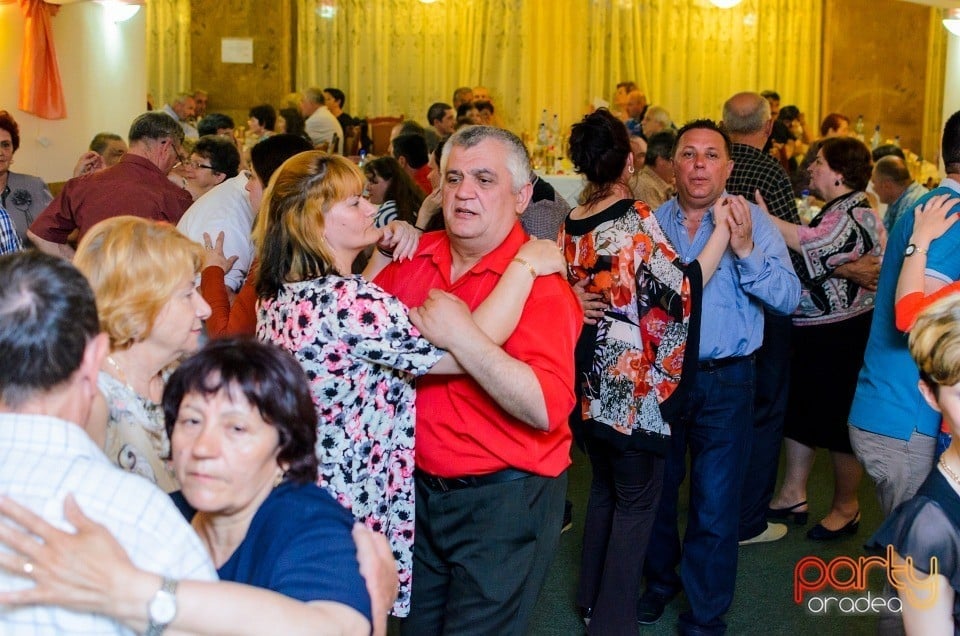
568 186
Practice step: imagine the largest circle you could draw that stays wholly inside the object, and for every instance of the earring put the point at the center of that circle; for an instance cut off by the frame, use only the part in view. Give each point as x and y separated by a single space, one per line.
837 183
631 169
279 478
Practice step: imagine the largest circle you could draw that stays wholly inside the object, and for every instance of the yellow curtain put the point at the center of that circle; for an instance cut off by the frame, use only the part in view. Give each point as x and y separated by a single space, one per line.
398 56
168 44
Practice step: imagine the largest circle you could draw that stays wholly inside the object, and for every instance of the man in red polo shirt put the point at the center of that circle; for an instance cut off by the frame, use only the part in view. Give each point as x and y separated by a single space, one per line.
136 185
492 446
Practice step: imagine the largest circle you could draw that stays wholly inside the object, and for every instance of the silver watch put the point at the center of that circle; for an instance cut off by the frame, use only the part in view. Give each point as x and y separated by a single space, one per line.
162 608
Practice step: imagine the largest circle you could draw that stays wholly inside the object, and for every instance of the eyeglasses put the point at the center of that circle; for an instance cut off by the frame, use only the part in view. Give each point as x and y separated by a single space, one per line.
197 164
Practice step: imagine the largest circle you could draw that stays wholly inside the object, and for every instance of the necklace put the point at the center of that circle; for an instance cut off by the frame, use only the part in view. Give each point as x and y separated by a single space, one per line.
952 475
120 374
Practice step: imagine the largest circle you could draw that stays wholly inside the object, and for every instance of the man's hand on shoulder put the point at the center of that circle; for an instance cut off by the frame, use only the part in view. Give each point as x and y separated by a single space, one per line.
865 271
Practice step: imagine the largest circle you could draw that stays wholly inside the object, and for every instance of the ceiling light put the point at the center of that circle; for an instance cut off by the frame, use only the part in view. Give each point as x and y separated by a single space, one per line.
951 20
118 11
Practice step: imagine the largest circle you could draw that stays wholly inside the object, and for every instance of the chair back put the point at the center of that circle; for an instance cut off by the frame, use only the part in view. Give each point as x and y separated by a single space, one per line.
380 128
351 141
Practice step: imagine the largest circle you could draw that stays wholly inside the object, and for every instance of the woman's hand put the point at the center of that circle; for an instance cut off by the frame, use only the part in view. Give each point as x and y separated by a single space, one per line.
79 570
431 205
740 223
400 238
931 221
544 256
213 255
593 304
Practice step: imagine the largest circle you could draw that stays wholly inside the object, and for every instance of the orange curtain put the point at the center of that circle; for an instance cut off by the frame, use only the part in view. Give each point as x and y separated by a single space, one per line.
41 92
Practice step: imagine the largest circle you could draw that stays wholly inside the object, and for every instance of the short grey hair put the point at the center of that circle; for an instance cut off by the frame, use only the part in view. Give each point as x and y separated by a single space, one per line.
181 98
518 163
746 121
660 114
156 125
313 94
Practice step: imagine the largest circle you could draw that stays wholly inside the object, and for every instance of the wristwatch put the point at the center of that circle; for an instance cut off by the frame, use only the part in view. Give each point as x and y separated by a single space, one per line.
913 249
162 608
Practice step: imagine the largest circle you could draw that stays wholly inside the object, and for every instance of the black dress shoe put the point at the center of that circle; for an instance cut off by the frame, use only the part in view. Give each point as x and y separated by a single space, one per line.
819 533
586 613
799 516
650 607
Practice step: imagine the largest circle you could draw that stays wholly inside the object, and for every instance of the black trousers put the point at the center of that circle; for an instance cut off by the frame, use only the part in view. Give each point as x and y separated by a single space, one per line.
481 555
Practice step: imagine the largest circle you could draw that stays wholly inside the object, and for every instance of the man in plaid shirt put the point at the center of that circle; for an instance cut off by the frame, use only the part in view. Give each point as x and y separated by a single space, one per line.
746 117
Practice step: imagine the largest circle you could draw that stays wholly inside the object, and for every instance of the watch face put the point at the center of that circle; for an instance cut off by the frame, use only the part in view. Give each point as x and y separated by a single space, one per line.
163 607
910 250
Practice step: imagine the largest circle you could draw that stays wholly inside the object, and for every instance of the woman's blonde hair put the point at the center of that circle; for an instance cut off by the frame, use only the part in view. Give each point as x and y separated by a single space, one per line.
289 228
935 342
134 267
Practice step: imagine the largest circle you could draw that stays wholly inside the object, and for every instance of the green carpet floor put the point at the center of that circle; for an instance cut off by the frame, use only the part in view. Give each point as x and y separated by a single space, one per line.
764 598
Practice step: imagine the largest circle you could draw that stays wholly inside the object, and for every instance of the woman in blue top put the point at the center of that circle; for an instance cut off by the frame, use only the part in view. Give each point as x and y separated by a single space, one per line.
243 427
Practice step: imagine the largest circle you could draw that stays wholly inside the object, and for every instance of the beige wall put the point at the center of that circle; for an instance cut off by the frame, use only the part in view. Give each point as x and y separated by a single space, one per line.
872 68
234 88
101 66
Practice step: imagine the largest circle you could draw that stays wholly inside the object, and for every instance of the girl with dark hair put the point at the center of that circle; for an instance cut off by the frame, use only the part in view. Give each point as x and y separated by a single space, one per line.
393 189
641 319
290 121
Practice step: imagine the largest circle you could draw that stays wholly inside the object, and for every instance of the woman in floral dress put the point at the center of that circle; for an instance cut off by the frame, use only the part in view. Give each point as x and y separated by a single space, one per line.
355 341
142 273
629 357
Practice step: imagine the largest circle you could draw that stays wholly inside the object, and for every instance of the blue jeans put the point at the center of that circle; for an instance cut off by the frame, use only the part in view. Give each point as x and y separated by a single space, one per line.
716 428
770 409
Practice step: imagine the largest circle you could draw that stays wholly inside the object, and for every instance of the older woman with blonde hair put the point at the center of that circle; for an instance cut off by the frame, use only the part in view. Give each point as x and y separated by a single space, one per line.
142 273
355 341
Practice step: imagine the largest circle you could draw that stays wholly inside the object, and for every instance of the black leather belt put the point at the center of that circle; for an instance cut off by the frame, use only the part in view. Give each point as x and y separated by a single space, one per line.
445 484
712 365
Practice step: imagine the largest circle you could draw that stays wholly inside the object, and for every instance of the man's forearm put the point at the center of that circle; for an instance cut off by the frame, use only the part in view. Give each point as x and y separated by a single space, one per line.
511 383
49 247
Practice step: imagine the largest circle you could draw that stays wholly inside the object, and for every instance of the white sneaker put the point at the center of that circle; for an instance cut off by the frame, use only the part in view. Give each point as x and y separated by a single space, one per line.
774 532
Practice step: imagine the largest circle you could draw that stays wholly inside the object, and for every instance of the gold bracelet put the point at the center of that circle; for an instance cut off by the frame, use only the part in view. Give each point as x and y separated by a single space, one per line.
523 261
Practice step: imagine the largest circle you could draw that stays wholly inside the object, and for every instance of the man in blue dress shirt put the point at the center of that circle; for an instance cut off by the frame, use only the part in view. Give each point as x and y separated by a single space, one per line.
755 273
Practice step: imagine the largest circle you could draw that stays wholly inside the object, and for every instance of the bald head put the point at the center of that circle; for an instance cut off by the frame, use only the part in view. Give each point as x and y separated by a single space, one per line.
890 178
746 114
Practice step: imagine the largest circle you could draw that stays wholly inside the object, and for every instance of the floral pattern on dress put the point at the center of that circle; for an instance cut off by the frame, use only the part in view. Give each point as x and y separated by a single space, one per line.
136 439
638 346
361 355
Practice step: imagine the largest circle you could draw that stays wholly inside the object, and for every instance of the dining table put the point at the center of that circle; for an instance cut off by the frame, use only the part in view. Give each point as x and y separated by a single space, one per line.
569 185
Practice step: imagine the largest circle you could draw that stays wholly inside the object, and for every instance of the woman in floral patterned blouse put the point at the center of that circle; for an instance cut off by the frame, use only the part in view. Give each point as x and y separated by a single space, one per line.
355 341
629 361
